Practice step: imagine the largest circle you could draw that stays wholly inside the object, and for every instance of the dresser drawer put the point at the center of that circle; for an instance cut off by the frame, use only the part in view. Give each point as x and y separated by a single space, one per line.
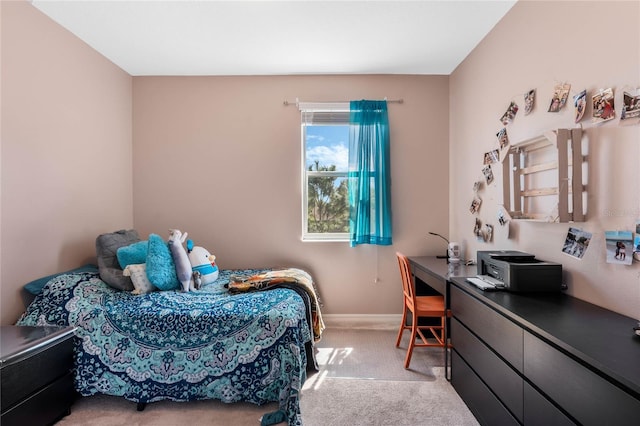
502 379
538 411
495 330
484 405
585 395
44 407
23 375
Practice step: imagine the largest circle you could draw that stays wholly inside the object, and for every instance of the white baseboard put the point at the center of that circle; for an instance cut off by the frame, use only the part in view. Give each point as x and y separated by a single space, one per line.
363 321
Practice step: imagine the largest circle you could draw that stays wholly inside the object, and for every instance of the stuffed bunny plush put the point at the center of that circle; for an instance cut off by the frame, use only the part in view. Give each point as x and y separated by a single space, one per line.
180 258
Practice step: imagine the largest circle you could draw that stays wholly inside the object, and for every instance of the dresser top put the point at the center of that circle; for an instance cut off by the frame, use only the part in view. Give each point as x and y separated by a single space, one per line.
594 335
20 342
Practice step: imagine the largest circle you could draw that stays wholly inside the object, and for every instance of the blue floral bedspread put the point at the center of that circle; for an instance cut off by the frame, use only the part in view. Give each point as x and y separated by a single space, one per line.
206 344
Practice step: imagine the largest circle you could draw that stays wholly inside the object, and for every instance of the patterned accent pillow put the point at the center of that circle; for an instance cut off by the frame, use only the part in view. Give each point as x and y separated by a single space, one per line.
138 274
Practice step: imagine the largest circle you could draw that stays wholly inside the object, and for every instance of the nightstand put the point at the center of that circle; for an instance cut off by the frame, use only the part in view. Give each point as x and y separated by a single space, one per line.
35 374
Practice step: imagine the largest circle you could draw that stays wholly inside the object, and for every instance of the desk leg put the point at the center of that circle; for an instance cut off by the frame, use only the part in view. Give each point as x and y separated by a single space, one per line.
447 334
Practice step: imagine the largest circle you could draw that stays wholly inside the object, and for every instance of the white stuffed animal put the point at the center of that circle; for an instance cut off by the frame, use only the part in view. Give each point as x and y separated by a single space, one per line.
202 262
180 258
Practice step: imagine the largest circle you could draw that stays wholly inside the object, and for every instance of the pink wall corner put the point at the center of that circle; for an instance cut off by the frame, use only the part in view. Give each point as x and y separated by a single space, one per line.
66 151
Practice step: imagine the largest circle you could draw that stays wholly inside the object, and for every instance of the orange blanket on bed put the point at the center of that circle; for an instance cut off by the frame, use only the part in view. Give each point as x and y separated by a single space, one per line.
290 276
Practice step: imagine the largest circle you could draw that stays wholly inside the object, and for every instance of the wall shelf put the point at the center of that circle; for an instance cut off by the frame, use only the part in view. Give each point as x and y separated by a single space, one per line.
542 178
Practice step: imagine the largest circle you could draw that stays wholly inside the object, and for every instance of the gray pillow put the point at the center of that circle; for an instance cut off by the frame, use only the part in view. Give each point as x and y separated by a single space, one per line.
107 246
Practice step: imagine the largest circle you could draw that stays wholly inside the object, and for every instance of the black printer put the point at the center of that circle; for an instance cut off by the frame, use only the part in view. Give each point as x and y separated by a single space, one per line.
519 271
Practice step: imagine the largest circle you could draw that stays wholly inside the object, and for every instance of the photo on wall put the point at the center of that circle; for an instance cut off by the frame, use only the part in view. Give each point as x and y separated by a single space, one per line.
509 114
559 97
475 205
491 157
502 216
631 105
576 243
603 106
477 230
529 101
636 241
580 104
619 245
503 138
488 173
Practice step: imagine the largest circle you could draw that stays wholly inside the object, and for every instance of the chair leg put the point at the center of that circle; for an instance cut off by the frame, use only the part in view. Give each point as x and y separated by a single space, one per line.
402 325
412 342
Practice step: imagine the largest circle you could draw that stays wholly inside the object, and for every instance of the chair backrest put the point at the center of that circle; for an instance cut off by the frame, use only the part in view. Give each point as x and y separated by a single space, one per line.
405 274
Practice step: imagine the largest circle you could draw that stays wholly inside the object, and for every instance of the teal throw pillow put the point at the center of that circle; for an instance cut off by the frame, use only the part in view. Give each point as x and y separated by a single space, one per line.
161 270
133 254
36 286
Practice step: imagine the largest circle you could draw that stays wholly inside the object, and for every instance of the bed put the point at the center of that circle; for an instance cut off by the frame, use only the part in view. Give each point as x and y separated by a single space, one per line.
255 346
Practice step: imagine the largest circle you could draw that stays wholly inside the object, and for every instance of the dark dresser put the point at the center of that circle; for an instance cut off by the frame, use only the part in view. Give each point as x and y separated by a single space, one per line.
35 374
546 359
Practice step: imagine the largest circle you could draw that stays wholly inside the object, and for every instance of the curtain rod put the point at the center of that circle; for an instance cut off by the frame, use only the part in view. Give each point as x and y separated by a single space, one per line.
391 101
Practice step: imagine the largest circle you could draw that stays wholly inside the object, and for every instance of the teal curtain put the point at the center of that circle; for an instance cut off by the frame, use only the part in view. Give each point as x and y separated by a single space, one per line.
369 177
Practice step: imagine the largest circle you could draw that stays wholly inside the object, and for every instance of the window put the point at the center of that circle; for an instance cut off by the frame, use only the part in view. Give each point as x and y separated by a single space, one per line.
345 170
325 152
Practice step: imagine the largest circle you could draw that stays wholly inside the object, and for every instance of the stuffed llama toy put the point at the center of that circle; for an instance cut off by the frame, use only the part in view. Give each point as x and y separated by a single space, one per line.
203 263
180 258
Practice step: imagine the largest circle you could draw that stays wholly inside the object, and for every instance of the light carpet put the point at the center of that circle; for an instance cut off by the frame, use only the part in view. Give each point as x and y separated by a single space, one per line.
361 382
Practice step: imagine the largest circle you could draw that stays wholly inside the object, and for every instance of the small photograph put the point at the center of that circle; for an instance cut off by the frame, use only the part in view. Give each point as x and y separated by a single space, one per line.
631 107
477 230
475 205
503 217
529 101
580 104
491 157
619 247
477 186
488 232
559 98
576 243
509 114
636 241
603 106
488 174
503 139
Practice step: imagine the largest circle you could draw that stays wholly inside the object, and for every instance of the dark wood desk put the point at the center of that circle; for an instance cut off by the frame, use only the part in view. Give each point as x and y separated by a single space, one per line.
436 273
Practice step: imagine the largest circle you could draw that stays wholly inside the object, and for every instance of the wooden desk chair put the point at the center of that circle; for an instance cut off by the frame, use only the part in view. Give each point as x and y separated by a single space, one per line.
420 307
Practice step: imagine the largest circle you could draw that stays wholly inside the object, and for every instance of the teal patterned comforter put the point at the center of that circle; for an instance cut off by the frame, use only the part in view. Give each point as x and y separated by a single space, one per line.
206 344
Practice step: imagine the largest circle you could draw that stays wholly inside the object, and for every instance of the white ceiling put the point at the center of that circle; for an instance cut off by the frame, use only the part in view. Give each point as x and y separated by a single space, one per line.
189 37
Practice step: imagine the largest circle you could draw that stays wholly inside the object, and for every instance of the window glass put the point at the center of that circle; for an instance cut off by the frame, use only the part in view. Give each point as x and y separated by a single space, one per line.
325 199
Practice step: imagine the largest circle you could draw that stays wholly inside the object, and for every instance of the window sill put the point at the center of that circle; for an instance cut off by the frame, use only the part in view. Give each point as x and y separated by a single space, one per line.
325 238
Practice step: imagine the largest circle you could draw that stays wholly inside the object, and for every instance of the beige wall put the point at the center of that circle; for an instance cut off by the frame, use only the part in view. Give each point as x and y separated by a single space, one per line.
66 151
591 45
220 158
